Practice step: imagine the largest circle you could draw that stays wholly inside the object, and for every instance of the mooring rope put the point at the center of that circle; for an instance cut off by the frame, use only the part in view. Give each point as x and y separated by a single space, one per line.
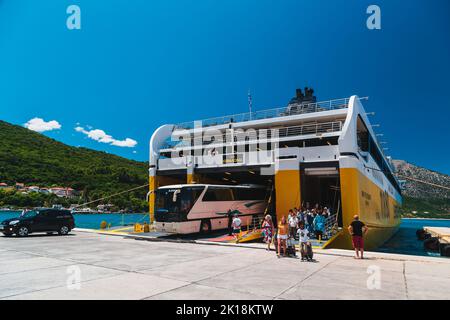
112 195
412 179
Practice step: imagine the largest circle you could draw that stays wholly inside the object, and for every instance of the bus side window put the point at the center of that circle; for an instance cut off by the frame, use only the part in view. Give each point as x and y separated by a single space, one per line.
241 194
210 195
260 194
218 194
225 195
249 194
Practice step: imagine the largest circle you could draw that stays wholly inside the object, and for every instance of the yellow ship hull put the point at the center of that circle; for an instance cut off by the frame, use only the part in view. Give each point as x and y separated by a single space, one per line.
375 207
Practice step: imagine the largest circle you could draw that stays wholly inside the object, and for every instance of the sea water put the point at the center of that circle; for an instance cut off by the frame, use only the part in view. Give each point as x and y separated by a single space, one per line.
92 221
405 240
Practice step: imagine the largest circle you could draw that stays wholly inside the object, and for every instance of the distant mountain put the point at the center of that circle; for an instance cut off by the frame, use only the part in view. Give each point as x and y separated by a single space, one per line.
421 199
419 190
32 158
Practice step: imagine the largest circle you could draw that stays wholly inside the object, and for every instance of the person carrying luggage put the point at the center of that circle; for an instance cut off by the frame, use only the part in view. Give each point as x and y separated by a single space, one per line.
305 244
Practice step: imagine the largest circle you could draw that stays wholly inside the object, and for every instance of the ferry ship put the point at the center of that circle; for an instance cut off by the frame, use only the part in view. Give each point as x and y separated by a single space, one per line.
307 152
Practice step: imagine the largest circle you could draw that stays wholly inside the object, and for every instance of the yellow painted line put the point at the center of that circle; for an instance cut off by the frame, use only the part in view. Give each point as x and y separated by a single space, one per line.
110 232
332 239
250 236
122 229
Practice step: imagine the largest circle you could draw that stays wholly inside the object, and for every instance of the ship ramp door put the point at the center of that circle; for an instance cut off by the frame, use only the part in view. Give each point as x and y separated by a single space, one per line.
320 185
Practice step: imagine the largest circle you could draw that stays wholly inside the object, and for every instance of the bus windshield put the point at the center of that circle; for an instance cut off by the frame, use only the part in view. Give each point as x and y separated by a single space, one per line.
174 204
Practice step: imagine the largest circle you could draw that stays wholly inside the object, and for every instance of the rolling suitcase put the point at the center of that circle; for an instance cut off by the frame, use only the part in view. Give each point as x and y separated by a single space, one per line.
290 249
307 254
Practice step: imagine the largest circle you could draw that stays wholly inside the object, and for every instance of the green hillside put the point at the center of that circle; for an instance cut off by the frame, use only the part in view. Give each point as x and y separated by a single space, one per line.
32 158
425 208
423 200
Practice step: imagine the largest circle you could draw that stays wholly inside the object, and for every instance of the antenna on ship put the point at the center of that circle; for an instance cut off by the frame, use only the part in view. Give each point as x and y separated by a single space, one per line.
249 94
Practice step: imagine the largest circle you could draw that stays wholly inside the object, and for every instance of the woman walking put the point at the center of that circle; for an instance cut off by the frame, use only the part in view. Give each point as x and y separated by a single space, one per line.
268 230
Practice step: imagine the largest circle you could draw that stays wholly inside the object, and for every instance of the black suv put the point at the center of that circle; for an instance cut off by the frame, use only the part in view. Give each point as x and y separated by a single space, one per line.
39 220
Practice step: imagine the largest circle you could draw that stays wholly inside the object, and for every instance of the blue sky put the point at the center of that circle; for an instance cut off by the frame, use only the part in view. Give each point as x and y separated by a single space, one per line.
138 64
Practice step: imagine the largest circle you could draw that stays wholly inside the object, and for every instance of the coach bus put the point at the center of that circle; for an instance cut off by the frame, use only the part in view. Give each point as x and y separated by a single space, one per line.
192 208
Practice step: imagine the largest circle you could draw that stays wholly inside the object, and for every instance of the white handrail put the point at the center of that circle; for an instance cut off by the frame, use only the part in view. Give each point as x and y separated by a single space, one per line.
291 109
305 129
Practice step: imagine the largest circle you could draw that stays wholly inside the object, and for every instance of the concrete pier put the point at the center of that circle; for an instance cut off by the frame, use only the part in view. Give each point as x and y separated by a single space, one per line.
87 265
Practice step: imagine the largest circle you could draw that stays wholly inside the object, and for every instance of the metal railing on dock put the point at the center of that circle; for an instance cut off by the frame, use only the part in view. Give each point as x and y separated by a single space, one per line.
331 226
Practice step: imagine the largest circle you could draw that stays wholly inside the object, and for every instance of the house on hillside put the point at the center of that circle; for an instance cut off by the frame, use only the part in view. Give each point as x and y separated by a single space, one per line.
44 191
20 186
105 207
33 189
63 192
3 185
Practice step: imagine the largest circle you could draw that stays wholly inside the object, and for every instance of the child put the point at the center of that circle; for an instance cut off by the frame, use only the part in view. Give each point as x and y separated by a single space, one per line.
236 225
305 245
293 222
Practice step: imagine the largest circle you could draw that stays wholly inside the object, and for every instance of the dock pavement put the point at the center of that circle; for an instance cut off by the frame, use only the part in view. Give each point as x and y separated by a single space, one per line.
89 265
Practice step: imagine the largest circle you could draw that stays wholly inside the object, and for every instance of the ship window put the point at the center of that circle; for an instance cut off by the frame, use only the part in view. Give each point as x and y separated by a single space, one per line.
165 155
368 144
362 135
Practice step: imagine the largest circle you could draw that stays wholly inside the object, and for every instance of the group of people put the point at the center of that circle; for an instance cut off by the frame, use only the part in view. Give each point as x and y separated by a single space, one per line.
284 232
302 224
312 218
305 224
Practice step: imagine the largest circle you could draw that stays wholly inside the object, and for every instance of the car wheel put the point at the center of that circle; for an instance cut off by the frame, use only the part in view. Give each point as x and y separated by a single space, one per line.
7 234
22 232
205 226
63 230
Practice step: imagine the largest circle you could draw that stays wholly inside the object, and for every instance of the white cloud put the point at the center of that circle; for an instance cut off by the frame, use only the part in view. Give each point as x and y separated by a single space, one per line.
40 125
101 136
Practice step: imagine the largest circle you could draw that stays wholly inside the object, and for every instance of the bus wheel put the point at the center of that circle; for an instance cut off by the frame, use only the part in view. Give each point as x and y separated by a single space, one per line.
205 226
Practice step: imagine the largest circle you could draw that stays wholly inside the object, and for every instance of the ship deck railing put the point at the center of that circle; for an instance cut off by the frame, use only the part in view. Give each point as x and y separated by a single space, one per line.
246 137
260 157
216 159
292 109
